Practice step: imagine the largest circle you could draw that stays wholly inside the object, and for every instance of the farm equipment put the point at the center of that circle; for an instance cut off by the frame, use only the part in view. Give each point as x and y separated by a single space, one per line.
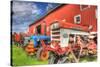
56 53
34 46
45 49
64 45
18 39
41 46
74 45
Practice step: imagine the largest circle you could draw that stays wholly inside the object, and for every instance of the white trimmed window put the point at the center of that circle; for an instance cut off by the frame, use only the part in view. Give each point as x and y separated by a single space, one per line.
83 7
77 19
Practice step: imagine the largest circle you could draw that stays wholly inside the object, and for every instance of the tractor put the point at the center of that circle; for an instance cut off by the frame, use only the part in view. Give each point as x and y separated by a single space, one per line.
33 46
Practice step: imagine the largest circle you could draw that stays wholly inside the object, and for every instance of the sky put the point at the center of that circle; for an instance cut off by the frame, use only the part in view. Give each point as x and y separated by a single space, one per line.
24 13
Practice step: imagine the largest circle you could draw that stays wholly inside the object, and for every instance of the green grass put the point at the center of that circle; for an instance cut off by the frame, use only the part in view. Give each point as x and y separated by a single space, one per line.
20 58
88 59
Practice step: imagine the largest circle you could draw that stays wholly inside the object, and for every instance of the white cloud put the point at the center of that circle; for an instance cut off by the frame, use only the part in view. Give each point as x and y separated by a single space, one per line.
24 13
24 8
19 28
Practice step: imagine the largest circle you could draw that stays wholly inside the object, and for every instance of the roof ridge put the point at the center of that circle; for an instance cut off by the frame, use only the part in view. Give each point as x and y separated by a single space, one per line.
47 13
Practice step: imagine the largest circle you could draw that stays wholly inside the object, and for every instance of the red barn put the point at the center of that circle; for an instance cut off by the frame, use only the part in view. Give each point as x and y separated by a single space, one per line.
65 19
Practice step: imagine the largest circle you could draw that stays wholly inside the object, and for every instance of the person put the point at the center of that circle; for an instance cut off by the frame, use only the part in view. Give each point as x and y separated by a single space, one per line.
79 45
71 50
13 39
71 42
22 39
92 46
95 39
79 40
71 37
17 38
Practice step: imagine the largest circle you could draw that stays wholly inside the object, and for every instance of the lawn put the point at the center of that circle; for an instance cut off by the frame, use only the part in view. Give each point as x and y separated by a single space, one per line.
19 58
88 59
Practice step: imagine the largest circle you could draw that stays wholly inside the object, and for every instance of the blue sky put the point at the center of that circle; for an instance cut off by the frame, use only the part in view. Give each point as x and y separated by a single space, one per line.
25 13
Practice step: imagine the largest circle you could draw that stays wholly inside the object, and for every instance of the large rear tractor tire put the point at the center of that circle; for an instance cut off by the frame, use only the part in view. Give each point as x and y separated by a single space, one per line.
42 54
57 59
51 58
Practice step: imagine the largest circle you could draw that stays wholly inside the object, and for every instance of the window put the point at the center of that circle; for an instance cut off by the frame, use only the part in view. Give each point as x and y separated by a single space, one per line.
77 19
55 25
83 7
65 35
38 29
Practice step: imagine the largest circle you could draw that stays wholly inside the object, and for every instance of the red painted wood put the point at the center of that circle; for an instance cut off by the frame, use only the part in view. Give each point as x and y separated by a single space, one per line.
67 12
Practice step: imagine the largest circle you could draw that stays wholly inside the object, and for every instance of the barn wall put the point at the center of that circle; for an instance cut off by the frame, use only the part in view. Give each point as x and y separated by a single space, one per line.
67 13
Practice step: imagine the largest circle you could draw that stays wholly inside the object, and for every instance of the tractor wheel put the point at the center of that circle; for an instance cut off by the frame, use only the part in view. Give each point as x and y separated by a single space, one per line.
51 58
56 59
61 59
42 54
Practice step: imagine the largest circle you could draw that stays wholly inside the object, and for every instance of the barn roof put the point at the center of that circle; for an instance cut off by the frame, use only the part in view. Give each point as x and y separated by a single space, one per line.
49 12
